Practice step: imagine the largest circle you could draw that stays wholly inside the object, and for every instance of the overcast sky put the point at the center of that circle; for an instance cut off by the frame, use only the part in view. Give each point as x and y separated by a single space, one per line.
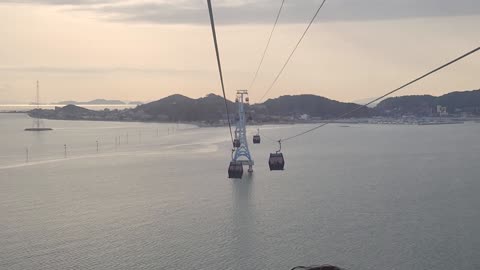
146 50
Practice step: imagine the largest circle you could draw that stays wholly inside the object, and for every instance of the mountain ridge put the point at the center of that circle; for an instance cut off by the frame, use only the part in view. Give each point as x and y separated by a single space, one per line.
426 105
98 101
211 109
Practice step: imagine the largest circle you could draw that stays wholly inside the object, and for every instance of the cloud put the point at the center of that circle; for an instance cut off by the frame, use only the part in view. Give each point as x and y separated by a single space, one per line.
59 2
4 88
262 11
93 70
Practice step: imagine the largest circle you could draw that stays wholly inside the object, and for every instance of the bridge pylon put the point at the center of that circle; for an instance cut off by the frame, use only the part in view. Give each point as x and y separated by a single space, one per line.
241 153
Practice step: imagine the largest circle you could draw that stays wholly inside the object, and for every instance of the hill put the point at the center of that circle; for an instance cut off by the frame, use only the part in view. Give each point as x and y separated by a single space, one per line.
426 105
315 106
182 108
398 106
69 112
92 102
211 109
466 101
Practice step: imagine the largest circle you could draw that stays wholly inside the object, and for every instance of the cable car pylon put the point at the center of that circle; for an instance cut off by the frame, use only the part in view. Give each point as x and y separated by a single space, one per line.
240 153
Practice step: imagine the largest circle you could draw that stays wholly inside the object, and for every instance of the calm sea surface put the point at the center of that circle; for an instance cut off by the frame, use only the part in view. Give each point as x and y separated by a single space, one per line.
362 197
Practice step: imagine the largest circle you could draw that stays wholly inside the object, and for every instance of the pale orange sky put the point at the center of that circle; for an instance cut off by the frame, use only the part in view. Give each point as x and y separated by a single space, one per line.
84 54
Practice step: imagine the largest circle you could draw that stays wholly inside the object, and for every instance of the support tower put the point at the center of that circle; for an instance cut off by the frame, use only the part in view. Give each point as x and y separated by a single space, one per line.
241 153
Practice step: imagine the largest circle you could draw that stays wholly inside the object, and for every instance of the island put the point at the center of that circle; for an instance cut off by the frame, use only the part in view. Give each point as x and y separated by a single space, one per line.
92 102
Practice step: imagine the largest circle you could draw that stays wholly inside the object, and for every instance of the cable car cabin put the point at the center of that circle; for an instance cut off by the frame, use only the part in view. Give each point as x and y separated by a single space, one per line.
236 143
256 139
276 162
235 170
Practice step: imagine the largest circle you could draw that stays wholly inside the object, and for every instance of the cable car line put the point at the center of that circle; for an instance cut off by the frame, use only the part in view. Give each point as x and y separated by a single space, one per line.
293 51
212 23
268 43
276 161
269 138
383 96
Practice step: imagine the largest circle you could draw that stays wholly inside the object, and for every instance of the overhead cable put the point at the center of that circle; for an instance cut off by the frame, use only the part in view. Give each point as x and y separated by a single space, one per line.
293 51
268 43
385 95
212 23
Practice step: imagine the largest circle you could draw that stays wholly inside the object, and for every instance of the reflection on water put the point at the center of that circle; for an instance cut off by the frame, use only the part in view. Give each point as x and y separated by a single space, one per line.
245 243
243 216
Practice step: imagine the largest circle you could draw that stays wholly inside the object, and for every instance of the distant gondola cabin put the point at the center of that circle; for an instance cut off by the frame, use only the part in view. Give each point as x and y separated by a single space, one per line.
236 143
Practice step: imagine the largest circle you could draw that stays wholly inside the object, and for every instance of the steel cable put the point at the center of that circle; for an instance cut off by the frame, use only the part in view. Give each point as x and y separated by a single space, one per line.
383 96
268 43
293 51
212 23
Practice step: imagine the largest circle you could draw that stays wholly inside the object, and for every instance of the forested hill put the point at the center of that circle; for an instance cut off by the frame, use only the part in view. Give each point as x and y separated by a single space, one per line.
455 102
314 106
182 108
211 109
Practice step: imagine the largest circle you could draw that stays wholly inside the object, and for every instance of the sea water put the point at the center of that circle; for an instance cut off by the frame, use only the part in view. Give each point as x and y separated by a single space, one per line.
361 197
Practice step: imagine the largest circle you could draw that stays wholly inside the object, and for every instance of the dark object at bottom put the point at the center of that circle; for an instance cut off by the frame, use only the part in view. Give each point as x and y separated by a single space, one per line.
322 267
235 170
38 129
276 162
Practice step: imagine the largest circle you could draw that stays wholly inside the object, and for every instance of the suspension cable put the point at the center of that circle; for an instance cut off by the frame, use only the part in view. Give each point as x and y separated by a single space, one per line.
293 51
212 23
269 138
268 43
383 96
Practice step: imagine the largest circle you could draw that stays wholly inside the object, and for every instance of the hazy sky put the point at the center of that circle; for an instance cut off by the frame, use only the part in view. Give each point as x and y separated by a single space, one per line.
148 49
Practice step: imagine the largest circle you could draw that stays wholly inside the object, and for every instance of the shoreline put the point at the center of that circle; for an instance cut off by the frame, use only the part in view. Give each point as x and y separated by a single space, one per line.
344 122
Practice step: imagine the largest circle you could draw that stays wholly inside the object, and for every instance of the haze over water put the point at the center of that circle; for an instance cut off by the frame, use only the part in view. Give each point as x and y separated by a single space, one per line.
29 107
362 197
